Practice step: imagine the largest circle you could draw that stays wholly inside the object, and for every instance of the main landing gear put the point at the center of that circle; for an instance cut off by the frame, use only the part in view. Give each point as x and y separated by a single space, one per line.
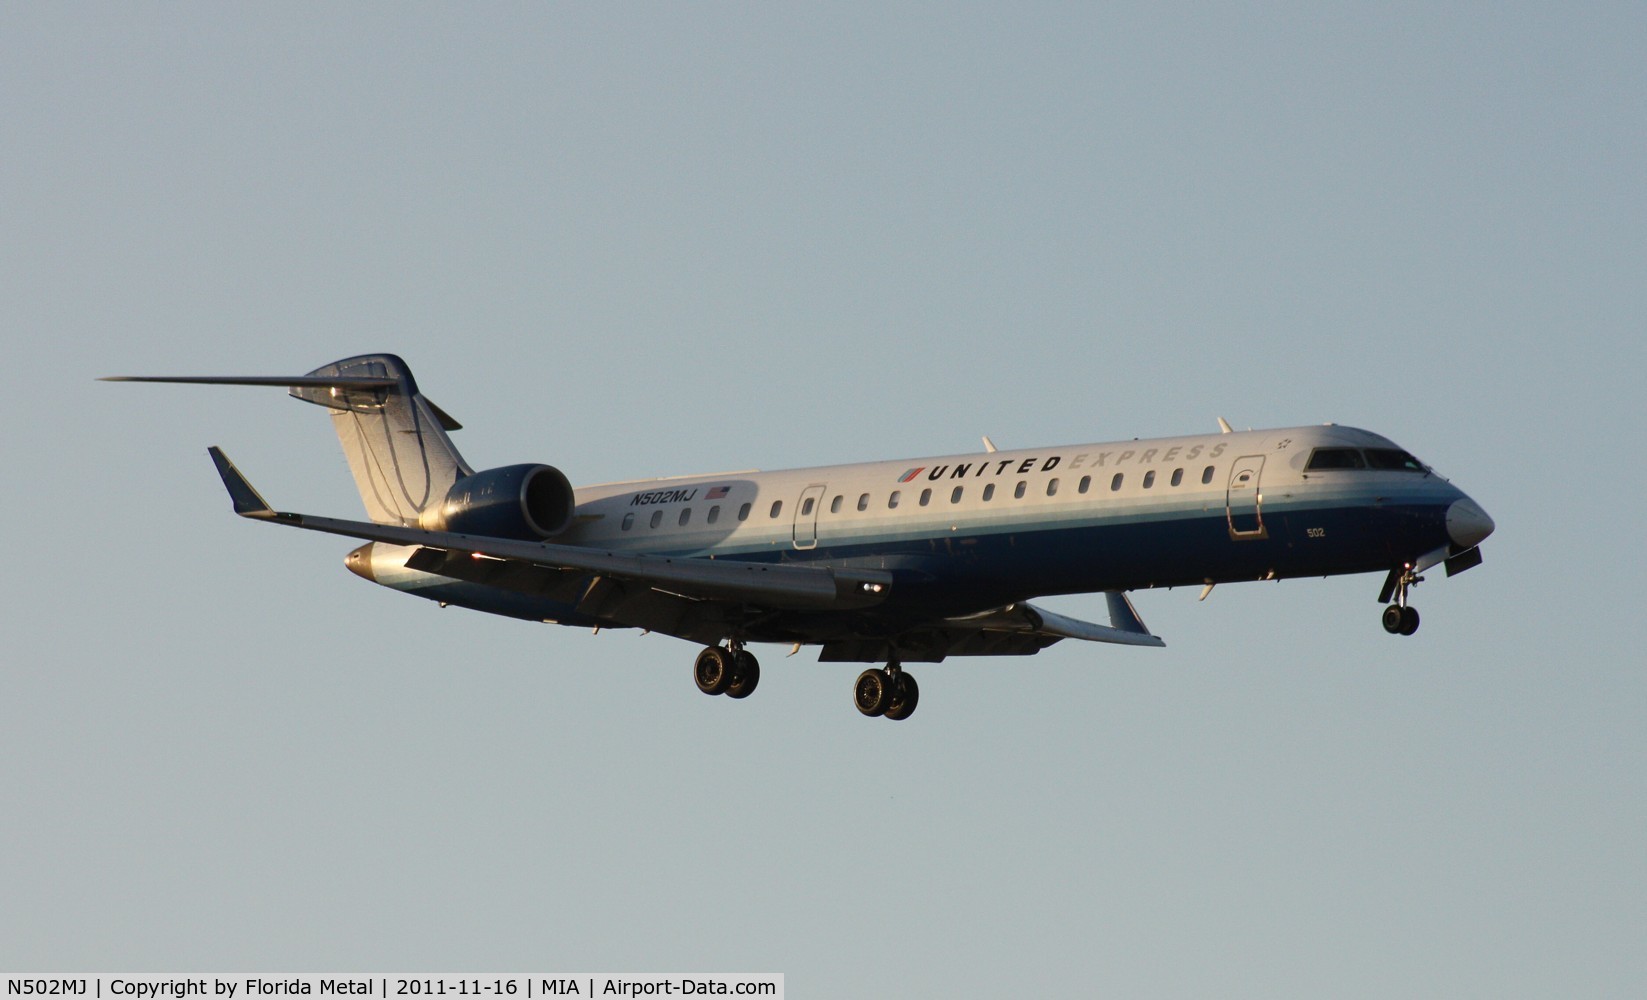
733 671
887 691
730 670
1400 618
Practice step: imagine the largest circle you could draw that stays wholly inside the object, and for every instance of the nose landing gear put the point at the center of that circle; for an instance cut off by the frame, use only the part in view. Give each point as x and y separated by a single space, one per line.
1400 621
1400 618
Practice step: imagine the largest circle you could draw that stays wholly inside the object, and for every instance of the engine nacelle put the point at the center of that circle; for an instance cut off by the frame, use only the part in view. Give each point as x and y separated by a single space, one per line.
526 502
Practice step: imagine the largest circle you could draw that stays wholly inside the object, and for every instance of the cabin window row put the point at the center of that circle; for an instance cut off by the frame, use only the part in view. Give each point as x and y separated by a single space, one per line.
896 497
685 517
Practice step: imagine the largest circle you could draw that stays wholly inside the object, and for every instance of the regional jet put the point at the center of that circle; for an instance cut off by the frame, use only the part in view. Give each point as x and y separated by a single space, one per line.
886 563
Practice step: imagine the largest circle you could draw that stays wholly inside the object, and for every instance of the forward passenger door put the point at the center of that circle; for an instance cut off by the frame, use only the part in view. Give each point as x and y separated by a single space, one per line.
1243 500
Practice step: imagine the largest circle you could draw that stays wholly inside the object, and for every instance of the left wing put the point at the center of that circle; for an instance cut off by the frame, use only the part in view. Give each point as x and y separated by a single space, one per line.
779 587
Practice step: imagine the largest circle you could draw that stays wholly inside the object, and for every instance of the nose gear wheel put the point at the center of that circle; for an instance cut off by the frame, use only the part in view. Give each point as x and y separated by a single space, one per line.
1400 618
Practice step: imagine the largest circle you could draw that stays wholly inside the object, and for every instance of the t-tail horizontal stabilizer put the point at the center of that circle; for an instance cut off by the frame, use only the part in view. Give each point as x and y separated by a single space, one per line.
393 437
275 381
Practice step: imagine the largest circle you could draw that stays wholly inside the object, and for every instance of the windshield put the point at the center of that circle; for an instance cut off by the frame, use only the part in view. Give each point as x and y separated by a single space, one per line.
1383 459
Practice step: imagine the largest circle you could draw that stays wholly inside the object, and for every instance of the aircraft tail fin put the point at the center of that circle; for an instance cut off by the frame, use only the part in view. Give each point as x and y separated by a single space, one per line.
393 438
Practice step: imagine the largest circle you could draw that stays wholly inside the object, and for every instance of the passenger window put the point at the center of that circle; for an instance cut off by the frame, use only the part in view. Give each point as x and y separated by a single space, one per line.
714 514
1206 475
1052 487
989 492
743 512
1149 479
686 515
1086 481
1177 476
863 502
777 508
806 506
628 520
955 495
1018 492
1115 484
657 518
835 505
892 501
926 497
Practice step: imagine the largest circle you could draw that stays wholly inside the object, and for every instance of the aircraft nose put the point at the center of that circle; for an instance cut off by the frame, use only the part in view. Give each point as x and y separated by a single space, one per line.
1467 523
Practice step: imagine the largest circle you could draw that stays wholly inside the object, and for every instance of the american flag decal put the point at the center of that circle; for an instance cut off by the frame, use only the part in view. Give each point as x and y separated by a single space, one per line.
911 474
718 493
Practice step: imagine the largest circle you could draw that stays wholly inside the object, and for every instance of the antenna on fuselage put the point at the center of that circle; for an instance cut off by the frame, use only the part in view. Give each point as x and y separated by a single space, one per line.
989 445
1224 425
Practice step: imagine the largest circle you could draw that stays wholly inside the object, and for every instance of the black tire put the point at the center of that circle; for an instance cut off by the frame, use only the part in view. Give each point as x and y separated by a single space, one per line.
906 694
872 692
746 673
713 671
1409 620
1393 616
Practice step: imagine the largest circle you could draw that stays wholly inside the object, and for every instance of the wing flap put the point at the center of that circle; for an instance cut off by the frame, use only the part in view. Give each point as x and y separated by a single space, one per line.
565 585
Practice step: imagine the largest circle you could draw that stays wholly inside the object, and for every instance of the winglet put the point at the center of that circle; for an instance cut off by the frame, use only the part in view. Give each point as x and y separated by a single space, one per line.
247 502
1124 617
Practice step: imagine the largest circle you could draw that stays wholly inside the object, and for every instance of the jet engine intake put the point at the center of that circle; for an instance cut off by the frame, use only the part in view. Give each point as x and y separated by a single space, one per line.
525 502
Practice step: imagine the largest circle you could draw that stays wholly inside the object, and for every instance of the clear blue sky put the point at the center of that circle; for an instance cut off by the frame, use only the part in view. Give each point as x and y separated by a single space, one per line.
653 239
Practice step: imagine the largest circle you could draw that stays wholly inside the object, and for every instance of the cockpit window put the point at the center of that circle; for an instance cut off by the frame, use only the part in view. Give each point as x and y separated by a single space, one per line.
1393 459
1335 458
1383 459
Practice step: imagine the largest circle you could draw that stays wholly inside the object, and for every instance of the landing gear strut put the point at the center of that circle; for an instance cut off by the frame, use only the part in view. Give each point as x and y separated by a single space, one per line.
1400 618
730 670
886 691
